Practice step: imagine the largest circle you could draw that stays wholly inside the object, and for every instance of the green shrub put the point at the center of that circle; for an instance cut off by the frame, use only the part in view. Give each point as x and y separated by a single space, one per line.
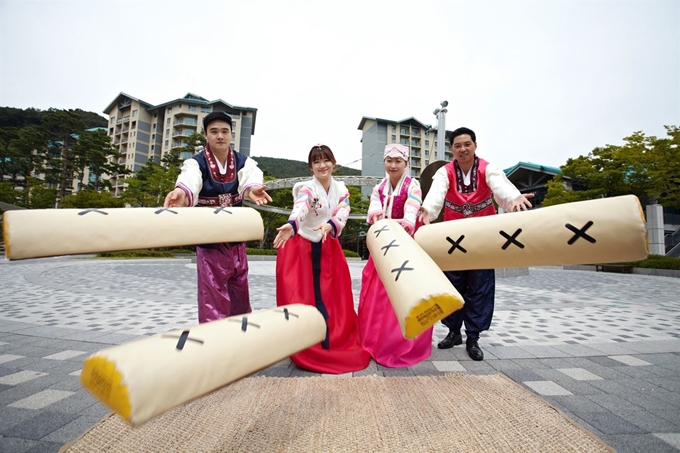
250 251
183 250
350 254
657 262
137 254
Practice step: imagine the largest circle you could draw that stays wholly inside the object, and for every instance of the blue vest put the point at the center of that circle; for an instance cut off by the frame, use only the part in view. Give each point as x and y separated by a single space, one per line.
220 190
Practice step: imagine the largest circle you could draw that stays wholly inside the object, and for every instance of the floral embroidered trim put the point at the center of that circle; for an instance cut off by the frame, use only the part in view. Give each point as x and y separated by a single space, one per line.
468 209
460 178
223 200
214 168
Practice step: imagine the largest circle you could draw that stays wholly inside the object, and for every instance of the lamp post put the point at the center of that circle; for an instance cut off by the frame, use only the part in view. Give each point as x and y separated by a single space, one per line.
362 234
440 113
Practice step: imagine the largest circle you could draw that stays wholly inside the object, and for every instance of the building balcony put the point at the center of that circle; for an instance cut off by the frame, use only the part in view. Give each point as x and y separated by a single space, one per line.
185 121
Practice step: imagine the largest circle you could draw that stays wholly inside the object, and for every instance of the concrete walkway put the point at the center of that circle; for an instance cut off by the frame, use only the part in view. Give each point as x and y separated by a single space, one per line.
603 348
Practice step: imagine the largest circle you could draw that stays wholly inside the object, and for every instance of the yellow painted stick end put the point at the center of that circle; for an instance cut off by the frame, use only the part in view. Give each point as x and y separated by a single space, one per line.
101 378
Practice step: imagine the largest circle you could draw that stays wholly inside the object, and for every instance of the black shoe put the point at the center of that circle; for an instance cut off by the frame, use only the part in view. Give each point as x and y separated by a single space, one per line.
451 340
473 350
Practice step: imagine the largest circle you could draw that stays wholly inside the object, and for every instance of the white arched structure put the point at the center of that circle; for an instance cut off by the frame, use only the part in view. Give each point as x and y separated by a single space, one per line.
290 182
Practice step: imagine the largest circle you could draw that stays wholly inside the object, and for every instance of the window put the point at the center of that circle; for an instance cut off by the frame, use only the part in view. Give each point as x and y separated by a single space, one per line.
166 143
167 132
192 108
394 128
427 142
113 119
206 110
134 113
169 110
153 137
155 115
394 139
167 123
404 131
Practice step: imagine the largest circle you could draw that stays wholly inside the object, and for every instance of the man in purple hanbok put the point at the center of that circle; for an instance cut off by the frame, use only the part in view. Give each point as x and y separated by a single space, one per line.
219 176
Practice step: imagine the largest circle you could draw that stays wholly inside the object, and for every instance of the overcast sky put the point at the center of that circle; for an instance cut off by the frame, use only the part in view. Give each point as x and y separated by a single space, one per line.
538 81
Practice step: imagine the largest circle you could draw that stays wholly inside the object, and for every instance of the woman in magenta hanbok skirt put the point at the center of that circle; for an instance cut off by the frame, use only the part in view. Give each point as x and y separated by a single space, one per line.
396 197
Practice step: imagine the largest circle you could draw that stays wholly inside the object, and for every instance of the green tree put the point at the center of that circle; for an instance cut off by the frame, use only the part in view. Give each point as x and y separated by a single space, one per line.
172 159
647 167
90 198
194 140
7 136
558 193
664 167
351 234
28 154
281 198
8 194
42 197
62 162
95 152
150 185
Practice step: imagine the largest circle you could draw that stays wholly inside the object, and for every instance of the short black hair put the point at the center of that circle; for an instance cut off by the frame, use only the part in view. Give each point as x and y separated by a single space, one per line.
216 116
463 131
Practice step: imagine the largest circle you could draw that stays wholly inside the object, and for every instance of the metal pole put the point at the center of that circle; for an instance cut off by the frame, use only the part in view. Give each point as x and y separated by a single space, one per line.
440 152
441 135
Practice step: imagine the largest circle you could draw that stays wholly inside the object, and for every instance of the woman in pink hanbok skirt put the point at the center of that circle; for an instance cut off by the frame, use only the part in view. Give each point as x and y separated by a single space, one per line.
396 197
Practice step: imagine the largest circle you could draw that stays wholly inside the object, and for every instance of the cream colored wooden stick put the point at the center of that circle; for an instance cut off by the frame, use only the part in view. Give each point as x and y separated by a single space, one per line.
142 379
606 230
419 291
34 233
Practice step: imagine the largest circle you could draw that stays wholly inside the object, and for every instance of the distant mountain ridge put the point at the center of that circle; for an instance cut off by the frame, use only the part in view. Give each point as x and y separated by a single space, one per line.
287 168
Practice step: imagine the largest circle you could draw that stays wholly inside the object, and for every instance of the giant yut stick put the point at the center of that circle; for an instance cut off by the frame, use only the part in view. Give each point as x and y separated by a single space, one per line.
36 233
142 379
606 230
420 293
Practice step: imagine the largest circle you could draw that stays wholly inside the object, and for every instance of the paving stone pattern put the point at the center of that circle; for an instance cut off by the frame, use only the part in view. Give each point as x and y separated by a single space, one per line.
603 348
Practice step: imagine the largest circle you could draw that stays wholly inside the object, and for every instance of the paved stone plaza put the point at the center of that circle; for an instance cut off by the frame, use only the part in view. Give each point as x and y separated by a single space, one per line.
603 348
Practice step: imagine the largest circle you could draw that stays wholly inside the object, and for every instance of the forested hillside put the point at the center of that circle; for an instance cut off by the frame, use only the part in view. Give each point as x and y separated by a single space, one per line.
13 117
286 168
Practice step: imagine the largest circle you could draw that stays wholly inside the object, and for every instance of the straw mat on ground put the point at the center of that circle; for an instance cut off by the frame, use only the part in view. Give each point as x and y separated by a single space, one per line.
446 413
